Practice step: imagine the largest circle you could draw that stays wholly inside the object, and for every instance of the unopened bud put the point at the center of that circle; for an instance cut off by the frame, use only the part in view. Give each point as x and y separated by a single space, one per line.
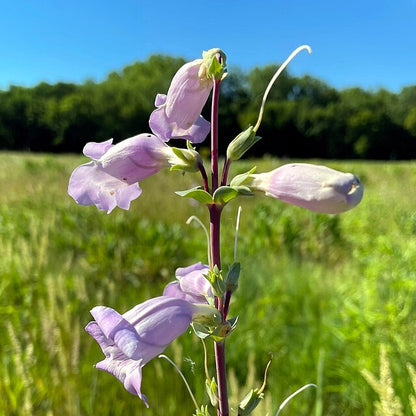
242 143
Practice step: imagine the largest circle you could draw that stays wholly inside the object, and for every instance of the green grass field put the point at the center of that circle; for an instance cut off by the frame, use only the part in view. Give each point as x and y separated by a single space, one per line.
322 294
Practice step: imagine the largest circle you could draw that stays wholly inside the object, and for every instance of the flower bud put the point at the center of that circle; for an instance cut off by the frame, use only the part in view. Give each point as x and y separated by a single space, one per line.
317 188
242 143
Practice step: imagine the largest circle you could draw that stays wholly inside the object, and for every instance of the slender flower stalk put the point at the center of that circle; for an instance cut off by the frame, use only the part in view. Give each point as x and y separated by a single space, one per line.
276 75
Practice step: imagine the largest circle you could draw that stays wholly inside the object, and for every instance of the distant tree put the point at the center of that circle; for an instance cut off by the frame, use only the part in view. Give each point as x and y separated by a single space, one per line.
304 117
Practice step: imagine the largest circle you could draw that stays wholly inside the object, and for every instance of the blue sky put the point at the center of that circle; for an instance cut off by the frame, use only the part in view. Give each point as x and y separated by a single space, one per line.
364 43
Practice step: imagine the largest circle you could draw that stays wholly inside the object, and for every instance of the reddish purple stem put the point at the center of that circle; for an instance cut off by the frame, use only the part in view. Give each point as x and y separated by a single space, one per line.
215 223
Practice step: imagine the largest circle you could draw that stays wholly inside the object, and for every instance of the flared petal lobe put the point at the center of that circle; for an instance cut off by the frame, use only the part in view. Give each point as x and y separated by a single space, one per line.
131 340
317 188
191 284
178 113
110 179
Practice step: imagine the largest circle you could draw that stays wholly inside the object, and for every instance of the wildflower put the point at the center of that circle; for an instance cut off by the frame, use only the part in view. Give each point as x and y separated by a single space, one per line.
317 188
191 284
110 179
131 340
178 113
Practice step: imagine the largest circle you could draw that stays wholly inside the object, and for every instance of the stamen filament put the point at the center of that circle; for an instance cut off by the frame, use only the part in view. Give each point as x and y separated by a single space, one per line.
275 76
236 233
206 360
183 378
285 402
194 218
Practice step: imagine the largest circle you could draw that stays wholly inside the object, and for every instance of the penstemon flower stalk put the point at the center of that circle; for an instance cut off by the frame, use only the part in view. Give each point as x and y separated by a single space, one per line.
201 294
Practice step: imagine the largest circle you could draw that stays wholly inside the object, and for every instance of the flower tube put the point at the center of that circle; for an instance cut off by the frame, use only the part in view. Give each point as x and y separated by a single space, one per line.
178 113
110 179
317 188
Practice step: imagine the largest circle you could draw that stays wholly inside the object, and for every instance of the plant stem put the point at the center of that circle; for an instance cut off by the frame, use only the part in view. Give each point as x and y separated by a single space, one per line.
215 223
214 134
225 171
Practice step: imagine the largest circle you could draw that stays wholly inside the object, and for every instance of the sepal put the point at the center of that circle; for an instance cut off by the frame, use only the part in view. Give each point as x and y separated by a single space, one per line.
216 279
243 178
211 389
250 402
231 281
203 411
243 142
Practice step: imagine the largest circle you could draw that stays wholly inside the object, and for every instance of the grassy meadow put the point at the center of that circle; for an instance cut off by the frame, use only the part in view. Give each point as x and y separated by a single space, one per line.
331 298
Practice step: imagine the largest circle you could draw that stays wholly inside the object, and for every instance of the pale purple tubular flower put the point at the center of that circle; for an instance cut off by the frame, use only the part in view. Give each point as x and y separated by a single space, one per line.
131 340
191 284
178 113
317 188
110 179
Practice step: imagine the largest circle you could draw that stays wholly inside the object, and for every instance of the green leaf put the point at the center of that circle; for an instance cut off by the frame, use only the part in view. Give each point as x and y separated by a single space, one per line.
198 194
225 194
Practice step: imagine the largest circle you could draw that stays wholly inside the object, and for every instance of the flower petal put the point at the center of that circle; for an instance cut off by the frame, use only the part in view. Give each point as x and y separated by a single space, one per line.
128 371
191 284
90 185
95 150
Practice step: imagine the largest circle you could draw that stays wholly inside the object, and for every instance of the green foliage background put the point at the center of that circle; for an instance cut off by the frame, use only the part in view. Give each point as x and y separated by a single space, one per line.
321 293
304 117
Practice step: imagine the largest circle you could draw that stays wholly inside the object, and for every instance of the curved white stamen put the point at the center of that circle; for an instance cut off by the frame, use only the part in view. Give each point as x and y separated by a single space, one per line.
293 395
194 218
275 76
236 233
183 378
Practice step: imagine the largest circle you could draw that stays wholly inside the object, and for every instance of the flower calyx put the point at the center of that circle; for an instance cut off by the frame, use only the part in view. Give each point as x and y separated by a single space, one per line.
213 64
217 333
187 160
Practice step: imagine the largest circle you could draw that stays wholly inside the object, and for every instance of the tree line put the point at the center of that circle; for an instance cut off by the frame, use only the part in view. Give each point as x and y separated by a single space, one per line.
304 116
